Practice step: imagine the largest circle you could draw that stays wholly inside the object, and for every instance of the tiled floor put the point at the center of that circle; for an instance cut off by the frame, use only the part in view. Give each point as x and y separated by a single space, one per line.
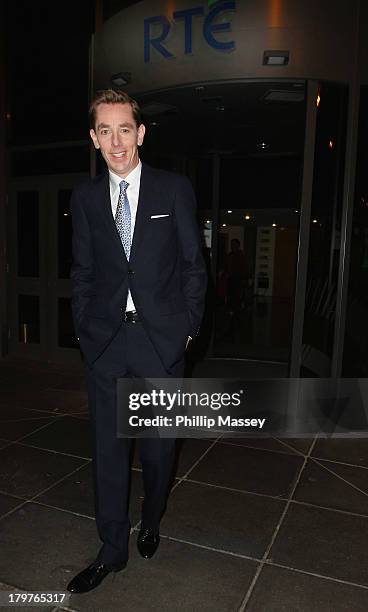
256 525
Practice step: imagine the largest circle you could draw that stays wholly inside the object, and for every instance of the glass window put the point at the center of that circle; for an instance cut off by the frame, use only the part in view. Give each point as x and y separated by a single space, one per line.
66 335
28 233
28 318
64 233
325 231
51 161
244 156
256 255
355 356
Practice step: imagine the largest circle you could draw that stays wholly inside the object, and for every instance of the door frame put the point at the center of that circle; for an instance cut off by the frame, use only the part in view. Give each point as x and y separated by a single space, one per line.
47 285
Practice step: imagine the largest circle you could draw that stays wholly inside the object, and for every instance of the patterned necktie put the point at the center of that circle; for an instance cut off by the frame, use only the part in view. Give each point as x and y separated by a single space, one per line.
123 218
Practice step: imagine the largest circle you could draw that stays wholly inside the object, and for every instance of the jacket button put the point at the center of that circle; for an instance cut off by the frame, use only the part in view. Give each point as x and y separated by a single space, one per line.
130 272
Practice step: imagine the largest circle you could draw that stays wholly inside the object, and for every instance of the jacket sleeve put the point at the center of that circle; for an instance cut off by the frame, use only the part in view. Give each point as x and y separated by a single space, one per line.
193 269
82 270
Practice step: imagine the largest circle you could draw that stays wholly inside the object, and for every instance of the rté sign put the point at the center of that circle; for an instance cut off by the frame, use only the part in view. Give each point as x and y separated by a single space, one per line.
209 30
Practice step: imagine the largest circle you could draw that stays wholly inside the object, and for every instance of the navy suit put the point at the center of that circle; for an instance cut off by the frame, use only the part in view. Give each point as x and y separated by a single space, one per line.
167 279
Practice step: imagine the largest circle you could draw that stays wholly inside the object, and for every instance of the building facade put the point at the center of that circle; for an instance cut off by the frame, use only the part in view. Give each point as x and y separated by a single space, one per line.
263 104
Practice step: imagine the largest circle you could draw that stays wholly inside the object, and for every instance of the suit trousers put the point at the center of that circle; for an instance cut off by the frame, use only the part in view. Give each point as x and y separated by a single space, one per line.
130 354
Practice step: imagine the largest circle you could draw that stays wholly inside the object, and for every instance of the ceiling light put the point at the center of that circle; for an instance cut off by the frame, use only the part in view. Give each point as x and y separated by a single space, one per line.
121 78
273 224
229 211
275 58
224 225
247 217
315 221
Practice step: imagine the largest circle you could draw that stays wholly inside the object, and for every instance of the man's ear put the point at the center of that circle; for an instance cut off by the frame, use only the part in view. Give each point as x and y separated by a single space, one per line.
94 139
141 133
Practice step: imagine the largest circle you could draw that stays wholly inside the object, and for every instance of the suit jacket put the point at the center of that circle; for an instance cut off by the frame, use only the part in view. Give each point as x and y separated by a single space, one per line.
166 273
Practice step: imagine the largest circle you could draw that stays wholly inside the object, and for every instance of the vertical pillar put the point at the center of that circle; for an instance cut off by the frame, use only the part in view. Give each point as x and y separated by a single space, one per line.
3 183
347 206
304 230
216 161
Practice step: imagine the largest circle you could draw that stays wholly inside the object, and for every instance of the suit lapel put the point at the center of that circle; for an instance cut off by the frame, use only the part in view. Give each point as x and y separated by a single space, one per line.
145 202
102 194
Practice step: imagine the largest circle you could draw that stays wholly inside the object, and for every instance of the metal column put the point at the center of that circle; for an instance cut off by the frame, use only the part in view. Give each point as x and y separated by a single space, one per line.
304 230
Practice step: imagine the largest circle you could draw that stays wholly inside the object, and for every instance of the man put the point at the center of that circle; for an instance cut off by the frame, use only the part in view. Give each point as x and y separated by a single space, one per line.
138 285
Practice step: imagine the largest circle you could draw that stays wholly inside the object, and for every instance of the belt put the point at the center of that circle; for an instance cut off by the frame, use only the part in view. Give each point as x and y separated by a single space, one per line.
131 316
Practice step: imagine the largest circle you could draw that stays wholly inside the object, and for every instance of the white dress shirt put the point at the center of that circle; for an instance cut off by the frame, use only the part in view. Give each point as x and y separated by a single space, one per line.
134 180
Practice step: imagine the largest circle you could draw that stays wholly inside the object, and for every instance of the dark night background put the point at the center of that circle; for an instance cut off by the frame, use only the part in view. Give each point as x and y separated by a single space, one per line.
47 65
47 62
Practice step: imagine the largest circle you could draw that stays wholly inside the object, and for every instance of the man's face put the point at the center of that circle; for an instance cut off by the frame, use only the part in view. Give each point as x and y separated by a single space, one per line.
117 136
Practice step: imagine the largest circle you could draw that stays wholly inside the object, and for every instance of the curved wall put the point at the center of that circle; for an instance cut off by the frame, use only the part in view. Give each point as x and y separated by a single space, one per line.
166 44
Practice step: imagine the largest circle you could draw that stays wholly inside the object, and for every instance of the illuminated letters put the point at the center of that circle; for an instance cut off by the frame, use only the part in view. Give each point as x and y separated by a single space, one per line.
209 30
187 16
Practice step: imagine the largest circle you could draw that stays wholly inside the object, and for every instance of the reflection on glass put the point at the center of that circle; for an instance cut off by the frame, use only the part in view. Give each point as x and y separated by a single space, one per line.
64 233
200 172
27 233
66 336
28 319
355 357
325 228
256 251
244 156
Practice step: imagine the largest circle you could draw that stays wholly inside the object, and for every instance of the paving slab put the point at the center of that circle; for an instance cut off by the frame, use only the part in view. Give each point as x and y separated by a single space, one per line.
249 469
324 542
281 590
238 522
334 485
26 471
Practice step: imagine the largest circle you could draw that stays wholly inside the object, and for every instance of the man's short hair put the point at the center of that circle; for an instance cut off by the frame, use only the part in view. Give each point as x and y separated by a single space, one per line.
113 96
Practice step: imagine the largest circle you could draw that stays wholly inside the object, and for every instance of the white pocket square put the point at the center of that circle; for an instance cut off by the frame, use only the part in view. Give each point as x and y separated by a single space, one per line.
159 216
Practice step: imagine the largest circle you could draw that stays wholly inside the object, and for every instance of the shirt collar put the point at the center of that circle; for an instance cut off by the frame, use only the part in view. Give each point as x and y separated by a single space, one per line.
132 178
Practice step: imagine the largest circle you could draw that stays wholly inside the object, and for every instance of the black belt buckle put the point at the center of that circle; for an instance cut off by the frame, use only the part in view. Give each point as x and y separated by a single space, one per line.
131 316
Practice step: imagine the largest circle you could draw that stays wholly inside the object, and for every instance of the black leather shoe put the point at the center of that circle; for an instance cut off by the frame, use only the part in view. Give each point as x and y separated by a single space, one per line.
147 542
92 576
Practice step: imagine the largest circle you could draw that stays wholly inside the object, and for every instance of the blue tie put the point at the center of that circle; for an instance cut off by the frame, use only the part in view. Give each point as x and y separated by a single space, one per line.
123 218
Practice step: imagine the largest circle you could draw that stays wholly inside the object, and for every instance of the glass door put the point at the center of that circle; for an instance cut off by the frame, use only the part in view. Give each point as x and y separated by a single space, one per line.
26 270
242 146
39 313
324 230
258 225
